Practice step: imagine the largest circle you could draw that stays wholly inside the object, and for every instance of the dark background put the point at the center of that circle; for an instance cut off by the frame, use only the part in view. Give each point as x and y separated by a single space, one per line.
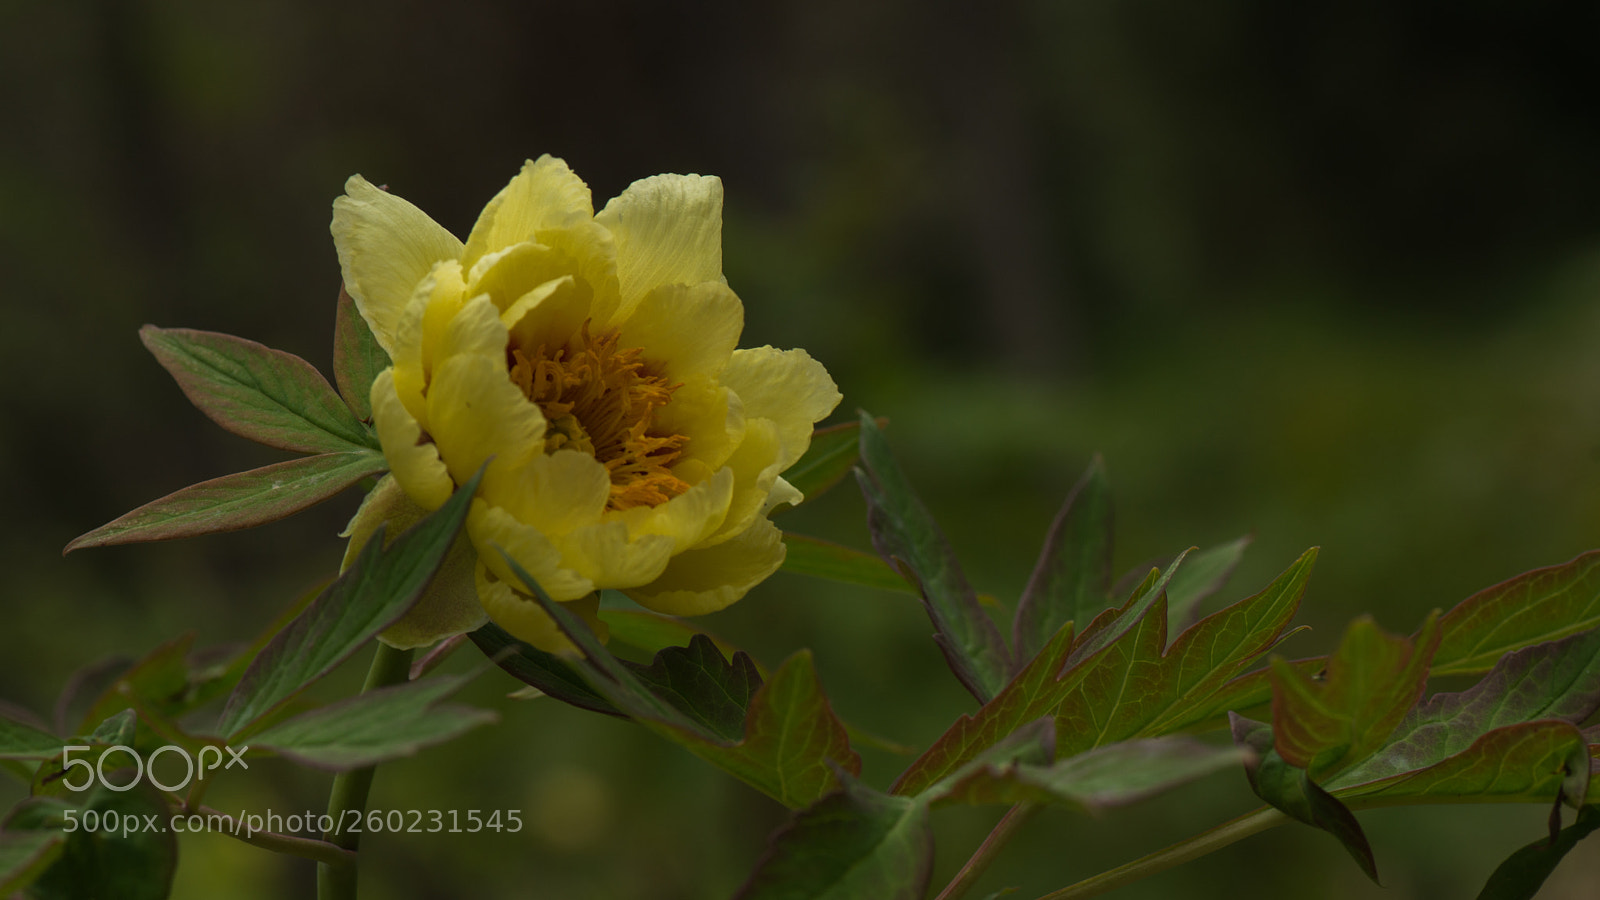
1322 272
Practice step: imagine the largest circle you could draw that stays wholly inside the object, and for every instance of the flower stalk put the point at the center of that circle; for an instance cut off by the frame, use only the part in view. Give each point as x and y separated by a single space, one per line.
978 863
336 880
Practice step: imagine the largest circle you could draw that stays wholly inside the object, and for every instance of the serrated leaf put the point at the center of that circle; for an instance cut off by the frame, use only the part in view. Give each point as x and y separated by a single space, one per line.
25 855
1534 607
836 562
1203 574
542 670
1525 871
1557 680
129 864
357 357
1113 624
1072 580
380 587
157 682
792 745
374 726
854 844
1373 680
1142 688
1527 762
266 395
19 741
1290 790
832 454
704 685
238 501
902 529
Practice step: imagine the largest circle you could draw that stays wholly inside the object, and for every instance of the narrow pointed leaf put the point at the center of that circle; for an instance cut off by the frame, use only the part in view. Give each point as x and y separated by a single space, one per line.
540 669
1072 580
266 395
854 844
19 741
357 357
832 454
1291 791
1557 680
1373 681
792 745
1534 607
1203 574
239 501
836 562
374 726
903 530
1142 688
1113 624
1525 871
382 585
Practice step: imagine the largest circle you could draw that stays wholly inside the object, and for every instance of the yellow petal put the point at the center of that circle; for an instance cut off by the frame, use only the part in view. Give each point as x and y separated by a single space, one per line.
475 413
668 230
475 330
559 492
604 553
386 245
415 465
549 315
594 256
708 579
711 415
449 606
526 620
786 386
755 469
545 194
493 530
687 330
688 518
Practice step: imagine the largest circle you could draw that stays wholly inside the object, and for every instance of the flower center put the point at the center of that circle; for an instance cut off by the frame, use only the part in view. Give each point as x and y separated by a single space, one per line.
600 400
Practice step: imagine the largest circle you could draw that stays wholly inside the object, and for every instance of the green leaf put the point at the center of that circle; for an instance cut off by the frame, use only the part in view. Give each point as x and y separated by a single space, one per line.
1557 680
266 395
24 856
832 454
374 726
792 748
1534 607
1141 688
382 585
235 502
1373 680
357 357
854 844
1113 624
704 685
19 741
1203 574
545 671
835 562
1529 762
904 531
1292 791
652 632
1072 580
1525 871
117 729
128 862
157 683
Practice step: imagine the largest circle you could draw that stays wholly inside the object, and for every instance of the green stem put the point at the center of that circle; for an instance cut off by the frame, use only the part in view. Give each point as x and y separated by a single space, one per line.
1014 819
321 851
1177 854
337 880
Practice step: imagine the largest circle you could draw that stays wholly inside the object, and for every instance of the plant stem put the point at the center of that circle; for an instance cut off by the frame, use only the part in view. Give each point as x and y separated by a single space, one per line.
1177 854
321 851
1014 819
337 881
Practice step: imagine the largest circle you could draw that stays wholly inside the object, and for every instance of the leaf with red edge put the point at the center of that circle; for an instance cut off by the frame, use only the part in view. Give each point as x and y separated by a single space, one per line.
833 453
1373 681
1072 580
835 562
239 501
357 357
1529 762
1141 687
266 395
1534 607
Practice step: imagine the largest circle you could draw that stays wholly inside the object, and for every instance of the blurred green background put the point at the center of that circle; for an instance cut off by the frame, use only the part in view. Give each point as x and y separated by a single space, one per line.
1325 273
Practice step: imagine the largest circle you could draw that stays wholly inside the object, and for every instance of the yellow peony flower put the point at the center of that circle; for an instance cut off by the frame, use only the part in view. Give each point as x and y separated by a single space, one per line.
590 360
